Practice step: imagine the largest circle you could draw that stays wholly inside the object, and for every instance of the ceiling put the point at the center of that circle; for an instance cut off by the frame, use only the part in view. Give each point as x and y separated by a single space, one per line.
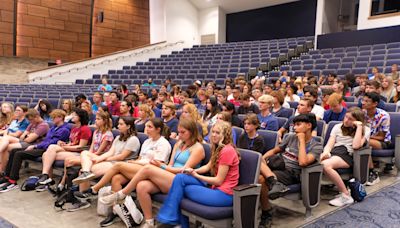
233 6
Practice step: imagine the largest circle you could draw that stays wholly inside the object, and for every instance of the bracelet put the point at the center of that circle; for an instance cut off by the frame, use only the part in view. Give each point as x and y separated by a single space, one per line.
163 166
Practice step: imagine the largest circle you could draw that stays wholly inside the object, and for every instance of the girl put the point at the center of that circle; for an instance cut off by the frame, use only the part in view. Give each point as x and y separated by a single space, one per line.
158 177
250 139
79 137
123 89
6 116
44 107
67 107
92 117
338 152
396 97
291 95
388 88
145 113
209 116
156 147
277 106
19 124
176 90
224 169
189 111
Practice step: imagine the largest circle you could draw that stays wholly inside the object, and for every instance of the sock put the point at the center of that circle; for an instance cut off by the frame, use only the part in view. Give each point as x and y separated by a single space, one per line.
12 181
121 195
93 191
46 175
150 221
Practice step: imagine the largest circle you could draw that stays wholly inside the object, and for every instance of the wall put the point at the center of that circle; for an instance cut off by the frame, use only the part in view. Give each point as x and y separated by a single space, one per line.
125 25
330 16
53 29
208 22
281 21
157 21
365 23
222 26
6 27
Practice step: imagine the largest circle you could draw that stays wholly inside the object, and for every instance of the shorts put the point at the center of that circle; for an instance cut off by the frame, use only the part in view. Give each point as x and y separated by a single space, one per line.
287 176
386 145
343 153
24 145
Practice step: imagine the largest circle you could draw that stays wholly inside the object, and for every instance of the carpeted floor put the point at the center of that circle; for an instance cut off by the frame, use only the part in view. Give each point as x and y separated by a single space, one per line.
5 224
381 209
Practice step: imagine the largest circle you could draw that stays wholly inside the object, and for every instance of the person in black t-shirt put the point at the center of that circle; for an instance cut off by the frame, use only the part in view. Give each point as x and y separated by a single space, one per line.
250 139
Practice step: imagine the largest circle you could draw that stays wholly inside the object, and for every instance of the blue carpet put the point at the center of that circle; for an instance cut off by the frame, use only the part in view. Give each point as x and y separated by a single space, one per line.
5 224
381 209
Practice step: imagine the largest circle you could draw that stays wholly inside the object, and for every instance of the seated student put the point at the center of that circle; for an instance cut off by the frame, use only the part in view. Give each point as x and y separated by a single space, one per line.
304 107
145 113
125 108
373 87
250 139
201 104
267 120
235 120
92 116
277 109
156 176
19 123
34 133
151 102
222 116
114 105
6 115
97 102
190 111
169 117
311 93
156 147
235 96
79 137
210 115
379 121
298 150
338 152
59 132
104 85
125 147
245 105
67 106
336 111
224 169
45 108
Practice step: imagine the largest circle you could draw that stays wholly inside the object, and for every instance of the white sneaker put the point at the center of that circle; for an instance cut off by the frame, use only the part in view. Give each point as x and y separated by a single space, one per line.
146 225
342 200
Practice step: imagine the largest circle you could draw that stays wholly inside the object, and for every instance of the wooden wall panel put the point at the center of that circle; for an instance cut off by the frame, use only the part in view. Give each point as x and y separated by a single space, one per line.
6 27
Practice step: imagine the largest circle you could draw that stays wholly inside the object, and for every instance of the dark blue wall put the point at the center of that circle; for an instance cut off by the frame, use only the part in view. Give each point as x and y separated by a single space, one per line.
282 21
360 37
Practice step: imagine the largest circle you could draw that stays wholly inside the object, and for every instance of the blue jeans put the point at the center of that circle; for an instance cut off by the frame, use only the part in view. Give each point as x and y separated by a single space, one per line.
187 186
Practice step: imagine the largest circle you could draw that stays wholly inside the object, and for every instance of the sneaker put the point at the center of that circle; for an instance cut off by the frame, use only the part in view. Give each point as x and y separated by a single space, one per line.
266 221
342 200
41 188
3 181
109 220
146 225
112 199
8 187
373 178
85 176
85 195
277 190
44 179
78 206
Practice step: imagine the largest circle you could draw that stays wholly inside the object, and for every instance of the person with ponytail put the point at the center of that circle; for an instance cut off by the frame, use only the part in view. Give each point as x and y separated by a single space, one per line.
192 184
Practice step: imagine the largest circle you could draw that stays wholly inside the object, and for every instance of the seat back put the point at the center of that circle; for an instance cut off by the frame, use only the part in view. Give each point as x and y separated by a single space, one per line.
249 166
142 137
320 127
207 153
270 139
329 130
115 133
390 107
281 121
394 125
238 131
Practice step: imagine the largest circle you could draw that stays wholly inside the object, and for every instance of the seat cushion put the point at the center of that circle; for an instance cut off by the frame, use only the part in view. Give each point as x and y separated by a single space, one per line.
383 153
345 171
207 212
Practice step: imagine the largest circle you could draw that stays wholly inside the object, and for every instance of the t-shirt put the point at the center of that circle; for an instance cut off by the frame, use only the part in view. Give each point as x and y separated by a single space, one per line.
290 148
103 87
251 109
16 125
229 157
99 138
282 112
329 115
78 133
114 108
255 144
172 124
269 122
157 150
347 141
132 144
380 123
157 112
40 129
95 107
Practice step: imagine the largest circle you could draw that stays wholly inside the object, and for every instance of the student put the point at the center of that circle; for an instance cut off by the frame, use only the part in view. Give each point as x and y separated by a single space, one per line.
190 111
88 108
104 85
202 98
245 105
45 108
345 137
6 115
311 93
235 120
224 169
277 107
336 111
210 115
373 87
151 102
250 139
114 105
19 124
97 102
125 109
79 137
156 147
34 133
59 132
169 118
267 120
67 107
145 113
298 150
155 177
379 121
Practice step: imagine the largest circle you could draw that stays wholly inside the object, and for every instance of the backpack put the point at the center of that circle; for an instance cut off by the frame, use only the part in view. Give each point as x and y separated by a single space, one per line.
67 195
357 190
30 183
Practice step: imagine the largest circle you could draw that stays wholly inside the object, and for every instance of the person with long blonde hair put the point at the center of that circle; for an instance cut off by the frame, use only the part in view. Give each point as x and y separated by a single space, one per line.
190 111
145 113
388 88
6 116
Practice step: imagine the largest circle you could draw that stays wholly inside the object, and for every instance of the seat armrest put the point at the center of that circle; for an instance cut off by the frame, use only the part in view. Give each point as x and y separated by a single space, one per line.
311 185
245 205
397 153
360 163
